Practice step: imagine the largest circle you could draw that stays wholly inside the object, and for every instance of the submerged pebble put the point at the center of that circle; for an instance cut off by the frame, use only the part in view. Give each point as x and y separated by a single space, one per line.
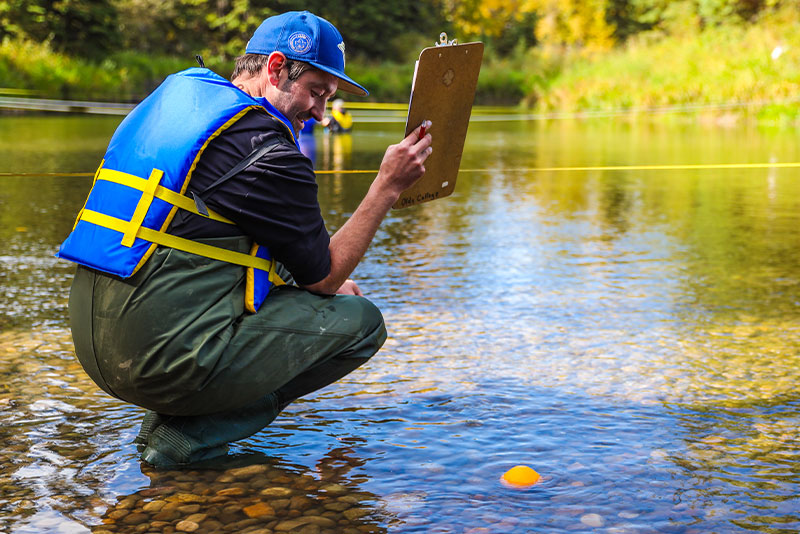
248 507
593 520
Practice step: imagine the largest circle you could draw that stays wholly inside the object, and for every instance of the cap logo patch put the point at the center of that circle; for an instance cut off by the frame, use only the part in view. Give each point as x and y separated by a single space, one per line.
299 42
340 46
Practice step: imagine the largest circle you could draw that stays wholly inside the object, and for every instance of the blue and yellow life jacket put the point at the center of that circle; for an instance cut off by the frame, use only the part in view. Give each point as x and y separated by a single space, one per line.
146 170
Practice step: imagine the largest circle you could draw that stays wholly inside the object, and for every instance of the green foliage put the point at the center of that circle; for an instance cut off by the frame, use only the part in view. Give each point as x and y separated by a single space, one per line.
716 12
516 79
386 82
84 28
514 38
377 29
188 27
631 17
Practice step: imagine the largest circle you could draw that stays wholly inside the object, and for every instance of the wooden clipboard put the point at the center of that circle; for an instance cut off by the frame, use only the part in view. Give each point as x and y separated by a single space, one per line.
443 90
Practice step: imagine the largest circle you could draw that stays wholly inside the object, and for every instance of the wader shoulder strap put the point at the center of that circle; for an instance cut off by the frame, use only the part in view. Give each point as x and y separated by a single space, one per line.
258 152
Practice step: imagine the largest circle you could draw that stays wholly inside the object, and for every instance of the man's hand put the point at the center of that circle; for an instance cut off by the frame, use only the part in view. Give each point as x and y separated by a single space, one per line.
349 288
404 163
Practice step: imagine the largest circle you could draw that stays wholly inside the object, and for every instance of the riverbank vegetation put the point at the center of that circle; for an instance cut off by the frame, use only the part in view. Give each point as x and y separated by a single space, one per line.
718 57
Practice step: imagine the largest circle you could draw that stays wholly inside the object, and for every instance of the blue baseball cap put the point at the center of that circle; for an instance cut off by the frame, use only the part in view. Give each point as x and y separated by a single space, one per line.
303 36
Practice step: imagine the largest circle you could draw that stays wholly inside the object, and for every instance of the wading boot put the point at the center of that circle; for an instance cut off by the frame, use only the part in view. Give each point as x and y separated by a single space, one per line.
149 423
169 447
183 441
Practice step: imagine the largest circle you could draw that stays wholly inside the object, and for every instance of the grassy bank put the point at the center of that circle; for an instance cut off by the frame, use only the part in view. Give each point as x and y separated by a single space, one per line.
129 77
721 71
126 77
752 70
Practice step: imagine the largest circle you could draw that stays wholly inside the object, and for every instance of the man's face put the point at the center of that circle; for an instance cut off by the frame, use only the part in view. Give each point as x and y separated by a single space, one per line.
305 97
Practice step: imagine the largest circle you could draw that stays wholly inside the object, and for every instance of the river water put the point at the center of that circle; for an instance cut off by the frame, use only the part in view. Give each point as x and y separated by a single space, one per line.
632 335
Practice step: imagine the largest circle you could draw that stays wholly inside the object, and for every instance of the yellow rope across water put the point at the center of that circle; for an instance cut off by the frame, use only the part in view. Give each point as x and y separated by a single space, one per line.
710 166
681 167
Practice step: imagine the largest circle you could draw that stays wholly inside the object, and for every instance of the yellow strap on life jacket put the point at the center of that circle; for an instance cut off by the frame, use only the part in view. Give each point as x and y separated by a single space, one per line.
148 194
161 192
186 245
133 229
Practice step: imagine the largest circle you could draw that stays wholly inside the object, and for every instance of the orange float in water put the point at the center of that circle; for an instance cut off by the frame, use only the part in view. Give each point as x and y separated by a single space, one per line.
520 476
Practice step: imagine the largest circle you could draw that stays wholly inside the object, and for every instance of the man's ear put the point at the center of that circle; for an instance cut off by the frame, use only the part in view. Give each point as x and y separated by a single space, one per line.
276 64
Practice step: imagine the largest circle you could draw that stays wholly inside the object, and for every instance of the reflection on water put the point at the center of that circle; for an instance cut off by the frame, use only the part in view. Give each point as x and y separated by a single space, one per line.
633 336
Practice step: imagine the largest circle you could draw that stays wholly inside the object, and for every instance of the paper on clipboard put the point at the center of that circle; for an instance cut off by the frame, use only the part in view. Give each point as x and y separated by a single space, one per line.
442 91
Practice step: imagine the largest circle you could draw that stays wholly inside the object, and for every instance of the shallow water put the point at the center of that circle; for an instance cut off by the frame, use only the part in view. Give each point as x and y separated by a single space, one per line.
632 335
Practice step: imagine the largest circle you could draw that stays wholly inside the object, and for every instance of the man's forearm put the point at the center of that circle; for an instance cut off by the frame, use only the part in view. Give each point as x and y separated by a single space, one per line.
350 243
402 166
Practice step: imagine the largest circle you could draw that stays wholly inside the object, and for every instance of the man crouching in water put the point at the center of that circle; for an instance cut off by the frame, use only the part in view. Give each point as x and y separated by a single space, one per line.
208 289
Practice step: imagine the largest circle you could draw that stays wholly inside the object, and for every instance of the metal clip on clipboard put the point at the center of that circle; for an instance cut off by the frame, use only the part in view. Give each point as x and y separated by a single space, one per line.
442 91
444 42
